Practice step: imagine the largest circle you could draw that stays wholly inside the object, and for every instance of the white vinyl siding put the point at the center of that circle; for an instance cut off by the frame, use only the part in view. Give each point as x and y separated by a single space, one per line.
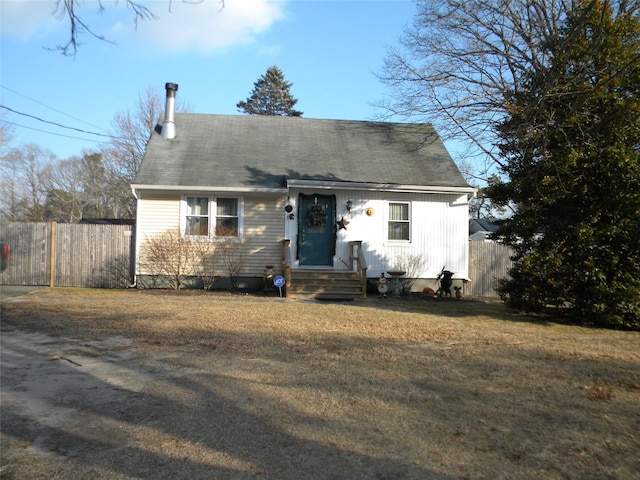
262 226
157 213
438 230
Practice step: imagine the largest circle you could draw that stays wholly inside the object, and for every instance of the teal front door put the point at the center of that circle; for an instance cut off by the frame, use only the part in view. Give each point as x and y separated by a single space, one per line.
316 229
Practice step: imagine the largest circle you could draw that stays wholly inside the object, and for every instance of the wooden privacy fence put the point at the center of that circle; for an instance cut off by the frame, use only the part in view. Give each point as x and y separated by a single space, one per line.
76 255
488 263
68 255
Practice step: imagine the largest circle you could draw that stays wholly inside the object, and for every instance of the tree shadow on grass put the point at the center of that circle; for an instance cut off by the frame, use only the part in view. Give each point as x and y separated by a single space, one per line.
205 404
93 427
453 308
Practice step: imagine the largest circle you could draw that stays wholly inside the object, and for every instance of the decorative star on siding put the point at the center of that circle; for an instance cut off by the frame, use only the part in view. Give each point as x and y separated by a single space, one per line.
342 223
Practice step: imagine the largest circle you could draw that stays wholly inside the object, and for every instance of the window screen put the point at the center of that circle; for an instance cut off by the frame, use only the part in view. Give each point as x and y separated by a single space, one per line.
197 216
227 217
398 221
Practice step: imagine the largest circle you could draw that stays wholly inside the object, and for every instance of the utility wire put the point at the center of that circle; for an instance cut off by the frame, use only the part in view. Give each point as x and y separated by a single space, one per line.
50 133
57 124
51 108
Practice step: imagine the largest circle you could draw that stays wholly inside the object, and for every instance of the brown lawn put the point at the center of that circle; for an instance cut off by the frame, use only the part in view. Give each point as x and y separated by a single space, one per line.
107 384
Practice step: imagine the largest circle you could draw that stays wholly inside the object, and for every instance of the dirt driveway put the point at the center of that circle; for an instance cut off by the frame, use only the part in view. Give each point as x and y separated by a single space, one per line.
97 409
9 291
124 385
118 412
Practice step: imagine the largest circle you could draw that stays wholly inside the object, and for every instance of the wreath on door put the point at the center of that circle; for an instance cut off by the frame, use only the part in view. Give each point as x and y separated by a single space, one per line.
316 215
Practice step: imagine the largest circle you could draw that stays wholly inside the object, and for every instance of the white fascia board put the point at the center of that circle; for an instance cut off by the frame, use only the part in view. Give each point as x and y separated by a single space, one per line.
379 187
191 188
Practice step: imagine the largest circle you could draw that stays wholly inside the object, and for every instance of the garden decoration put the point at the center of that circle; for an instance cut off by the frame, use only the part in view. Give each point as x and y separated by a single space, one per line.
444 277
458 292
382 286
342 224
396 287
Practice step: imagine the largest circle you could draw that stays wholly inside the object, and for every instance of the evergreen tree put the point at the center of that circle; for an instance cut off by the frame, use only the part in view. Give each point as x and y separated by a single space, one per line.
571 145
270 96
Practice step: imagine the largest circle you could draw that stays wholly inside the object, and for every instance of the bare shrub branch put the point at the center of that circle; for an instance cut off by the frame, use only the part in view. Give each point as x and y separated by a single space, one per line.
413 265
231 251
175 259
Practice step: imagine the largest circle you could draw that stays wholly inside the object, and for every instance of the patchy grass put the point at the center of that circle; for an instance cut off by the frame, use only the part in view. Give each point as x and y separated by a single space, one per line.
238 386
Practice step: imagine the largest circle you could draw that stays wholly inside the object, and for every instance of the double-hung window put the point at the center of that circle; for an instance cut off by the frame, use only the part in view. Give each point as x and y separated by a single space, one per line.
197 216
399 225
227 218
206 216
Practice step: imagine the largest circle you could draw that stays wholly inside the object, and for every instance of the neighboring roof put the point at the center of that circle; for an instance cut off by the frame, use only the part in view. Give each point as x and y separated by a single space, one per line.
266 151
107 221
480 237
481 225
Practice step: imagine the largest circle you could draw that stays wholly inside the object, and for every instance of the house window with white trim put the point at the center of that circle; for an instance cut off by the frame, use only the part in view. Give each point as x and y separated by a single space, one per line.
399 225
227 217
205 216
197 216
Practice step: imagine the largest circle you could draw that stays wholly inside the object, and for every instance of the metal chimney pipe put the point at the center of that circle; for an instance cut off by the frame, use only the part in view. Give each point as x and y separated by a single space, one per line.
169 124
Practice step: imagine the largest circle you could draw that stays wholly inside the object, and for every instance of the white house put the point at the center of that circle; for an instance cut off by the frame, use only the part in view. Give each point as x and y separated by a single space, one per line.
480 230
307 194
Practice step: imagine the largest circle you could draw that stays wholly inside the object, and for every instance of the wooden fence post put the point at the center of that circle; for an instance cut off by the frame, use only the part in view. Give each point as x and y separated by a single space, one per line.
52 255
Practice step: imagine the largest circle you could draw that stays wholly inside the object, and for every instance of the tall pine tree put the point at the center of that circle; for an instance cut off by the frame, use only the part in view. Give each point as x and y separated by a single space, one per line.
270 96
571 145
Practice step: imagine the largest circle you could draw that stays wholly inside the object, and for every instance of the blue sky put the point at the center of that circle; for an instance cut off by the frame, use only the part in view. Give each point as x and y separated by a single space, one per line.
328 49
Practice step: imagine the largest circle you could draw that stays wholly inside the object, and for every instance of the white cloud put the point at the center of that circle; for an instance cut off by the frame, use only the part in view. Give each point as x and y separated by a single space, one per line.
181 25
26 19
204 26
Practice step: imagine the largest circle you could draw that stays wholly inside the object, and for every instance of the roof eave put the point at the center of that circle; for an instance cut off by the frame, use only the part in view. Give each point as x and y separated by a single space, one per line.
200 188
316 184
380 187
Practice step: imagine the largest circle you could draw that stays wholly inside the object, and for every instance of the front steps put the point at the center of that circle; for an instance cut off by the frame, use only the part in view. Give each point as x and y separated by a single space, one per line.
326 285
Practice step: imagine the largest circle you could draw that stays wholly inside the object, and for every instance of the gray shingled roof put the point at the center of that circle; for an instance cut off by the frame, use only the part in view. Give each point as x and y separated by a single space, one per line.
481 225
260 151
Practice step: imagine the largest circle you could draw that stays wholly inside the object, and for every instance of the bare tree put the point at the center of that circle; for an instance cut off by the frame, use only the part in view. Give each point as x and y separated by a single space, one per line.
458 59
64 191
70 10
9 168
23 183
10 188
6 133
36 186
95 181
79 187
131 131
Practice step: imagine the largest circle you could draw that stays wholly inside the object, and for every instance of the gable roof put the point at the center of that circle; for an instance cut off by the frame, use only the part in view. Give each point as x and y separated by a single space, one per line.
481 225
266 152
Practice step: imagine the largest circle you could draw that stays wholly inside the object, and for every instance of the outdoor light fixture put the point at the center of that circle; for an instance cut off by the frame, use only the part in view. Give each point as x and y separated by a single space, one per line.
288 207
349 205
